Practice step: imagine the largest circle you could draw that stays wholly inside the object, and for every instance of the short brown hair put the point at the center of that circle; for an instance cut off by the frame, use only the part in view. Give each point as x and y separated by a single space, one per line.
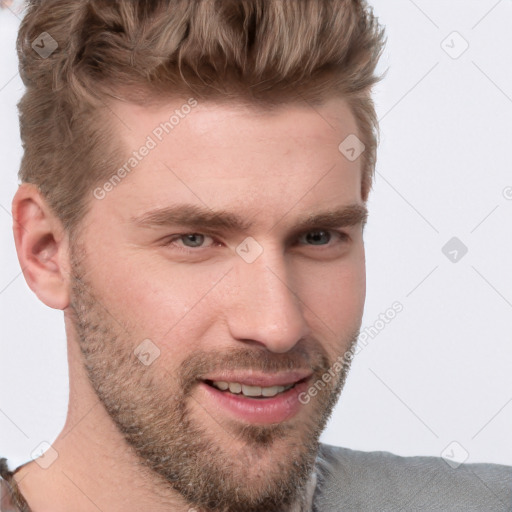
260 52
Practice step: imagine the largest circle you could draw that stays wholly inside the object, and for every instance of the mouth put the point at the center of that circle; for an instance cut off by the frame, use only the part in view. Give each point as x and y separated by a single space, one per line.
254 399
248 391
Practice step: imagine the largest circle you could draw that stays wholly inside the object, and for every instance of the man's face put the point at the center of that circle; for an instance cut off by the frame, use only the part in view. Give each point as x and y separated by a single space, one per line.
170 310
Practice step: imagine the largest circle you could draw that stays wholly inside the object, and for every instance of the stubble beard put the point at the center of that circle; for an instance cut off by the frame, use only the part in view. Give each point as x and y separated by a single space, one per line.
159 424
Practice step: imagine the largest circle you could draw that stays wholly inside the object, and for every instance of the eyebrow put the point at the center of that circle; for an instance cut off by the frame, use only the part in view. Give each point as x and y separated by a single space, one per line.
202 218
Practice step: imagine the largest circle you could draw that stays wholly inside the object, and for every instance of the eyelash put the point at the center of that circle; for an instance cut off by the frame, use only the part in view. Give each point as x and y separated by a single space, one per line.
342 237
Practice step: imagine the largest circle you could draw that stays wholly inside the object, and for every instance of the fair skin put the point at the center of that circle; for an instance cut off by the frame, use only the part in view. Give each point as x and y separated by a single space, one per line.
283 318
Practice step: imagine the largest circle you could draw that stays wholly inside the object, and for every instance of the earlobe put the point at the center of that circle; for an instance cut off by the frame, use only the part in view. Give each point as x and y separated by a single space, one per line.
42 247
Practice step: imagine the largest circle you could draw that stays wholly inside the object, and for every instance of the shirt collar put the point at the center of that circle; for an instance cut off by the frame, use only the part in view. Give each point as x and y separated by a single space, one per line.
305 504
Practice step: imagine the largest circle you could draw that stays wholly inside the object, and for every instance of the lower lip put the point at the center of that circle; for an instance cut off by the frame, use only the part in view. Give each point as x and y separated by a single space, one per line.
264 411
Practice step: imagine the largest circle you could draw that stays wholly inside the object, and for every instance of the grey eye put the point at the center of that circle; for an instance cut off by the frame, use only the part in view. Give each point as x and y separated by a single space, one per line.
195 239
317 237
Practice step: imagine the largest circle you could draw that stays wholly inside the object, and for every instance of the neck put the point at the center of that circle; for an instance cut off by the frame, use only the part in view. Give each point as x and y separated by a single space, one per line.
94 468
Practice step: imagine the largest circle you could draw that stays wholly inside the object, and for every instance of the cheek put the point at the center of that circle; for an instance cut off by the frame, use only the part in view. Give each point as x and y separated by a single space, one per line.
334 294
155 299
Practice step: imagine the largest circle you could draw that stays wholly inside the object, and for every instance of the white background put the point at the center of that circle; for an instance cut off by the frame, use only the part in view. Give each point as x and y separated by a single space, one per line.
441 370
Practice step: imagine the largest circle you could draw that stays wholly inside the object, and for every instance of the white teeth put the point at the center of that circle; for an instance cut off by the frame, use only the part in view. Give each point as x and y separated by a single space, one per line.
235 388
273 391
250 391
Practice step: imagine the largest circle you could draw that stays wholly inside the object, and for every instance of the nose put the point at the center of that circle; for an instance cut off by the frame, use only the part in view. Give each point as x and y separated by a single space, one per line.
265 309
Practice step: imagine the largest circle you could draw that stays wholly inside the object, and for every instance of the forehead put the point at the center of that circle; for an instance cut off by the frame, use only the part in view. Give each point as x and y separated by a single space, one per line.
210 125
230 155
334 112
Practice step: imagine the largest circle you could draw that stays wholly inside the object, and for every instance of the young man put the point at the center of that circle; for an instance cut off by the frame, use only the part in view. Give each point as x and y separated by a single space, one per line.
193 197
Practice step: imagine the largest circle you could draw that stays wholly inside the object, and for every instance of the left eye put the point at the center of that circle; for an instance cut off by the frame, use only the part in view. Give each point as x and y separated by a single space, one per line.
314 238
195 239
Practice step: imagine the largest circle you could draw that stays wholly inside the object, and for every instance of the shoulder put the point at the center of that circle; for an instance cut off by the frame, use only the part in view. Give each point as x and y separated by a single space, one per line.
10 498
381 481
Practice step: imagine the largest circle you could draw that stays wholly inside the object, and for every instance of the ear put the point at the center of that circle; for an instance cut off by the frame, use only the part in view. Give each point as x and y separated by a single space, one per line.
42 247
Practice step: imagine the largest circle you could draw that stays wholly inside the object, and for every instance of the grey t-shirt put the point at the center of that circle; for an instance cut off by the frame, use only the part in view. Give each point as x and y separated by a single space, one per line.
354 481
350 480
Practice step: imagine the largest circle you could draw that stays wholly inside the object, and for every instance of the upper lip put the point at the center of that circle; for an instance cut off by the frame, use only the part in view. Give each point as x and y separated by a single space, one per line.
264 380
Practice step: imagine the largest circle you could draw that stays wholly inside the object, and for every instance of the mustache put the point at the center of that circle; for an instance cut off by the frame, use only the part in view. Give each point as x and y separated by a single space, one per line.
201 363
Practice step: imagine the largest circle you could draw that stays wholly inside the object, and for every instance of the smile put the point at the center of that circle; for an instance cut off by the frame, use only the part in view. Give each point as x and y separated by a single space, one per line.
254 398
250 391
